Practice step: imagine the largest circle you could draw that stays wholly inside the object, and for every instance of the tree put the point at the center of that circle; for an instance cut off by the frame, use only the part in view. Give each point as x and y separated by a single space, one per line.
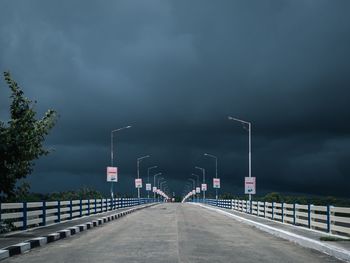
21 139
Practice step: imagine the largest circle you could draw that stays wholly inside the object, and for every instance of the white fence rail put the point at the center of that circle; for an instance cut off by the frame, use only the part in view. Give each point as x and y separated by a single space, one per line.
330 219
30 214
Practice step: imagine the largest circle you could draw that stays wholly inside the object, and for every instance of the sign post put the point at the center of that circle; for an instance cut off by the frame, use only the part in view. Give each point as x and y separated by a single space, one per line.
138 183
250 185
148 187
216 183
112 176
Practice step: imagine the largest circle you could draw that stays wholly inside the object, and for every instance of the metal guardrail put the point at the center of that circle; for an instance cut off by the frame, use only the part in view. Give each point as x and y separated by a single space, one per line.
31 214
329 219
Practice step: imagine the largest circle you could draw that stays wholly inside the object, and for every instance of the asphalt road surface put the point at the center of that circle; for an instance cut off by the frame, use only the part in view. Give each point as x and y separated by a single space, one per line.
173 233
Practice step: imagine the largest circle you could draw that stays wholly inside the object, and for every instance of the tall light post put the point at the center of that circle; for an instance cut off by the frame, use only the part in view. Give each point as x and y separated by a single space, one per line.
138 171
216 170
158 184
148 169
112 152
196 175
203 172
249 144
154 183
161 185
193 187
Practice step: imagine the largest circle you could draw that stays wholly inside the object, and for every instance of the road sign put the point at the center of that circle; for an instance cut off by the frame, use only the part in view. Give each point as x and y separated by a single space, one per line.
154 189
250 185
194 192
148 187
112 174
138 183
216 182
198 190
204 187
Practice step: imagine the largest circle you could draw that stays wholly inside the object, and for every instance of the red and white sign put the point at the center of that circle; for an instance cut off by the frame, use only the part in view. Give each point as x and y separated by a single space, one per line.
198 190
112 174
138 183
148 187
250 185
154 189
204 187
216 182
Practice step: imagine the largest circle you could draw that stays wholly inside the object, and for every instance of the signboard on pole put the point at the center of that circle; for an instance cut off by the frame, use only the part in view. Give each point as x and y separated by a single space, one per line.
193 192
198 190
112 174
204 187
138 183
216 182
148 187
250 185
154 189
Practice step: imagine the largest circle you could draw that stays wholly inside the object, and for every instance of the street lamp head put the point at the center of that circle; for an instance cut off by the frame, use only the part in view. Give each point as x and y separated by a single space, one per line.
143 157
127 127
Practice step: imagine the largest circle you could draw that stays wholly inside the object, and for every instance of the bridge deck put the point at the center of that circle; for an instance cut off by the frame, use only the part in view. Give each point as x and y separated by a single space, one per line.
173 233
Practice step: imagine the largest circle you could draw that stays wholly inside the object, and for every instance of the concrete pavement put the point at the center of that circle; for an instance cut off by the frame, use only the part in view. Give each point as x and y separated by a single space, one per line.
173 233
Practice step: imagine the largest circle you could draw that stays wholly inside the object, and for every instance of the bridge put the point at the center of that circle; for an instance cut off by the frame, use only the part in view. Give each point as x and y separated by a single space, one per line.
148 231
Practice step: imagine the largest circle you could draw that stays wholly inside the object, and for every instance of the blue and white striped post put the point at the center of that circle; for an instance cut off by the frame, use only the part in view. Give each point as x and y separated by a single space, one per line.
81 208
25 215
44 213
58 211
273 211
309 215
70 209
328 218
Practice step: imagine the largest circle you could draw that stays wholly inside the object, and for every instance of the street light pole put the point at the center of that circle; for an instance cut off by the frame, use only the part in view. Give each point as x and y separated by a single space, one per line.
216 170
249 145
112 152
203 172
138 171
154 183
193 184
196 175
148 169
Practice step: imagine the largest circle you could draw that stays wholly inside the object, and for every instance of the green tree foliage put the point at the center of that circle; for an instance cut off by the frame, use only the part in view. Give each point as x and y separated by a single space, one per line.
21 139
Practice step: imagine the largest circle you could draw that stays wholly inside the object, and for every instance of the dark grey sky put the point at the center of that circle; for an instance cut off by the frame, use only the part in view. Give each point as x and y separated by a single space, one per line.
175 70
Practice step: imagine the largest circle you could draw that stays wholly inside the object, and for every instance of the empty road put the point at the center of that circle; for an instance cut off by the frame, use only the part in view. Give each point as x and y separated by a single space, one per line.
173 233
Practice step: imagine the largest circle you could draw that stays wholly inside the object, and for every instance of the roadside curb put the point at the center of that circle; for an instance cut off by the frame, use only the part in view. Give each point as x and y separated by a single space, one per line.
30 244
328 249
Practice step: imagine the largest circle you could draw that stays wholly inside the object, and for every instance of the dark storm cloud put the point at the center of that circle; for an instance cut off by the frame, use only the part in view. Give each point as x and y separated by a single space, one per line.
175 70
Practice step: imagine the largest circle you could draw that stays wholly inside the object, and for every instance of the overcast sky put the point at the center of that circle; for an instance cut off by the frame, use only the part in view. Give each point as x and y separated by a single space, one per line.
175 70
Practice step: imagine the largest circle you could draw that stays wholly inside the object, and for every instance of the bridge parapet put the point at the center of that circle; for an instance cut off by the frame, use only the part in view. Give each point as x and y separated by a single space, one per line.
32 214
329 219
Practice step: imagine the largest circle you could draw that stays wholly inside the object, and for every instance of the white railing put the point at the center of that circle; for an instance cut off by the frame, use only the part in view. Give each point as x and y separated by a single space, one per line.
330 219
30 214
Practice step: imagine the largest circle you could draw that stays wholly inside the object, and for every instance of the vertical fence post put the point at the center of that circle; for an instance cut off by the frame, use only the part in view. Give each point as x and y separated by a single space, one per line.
70 209
265 209
273 211
88 207
309 216
122 202
81 208
251 206
95 206
282 211
58 211
294 214
328 218
24 215
44 213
